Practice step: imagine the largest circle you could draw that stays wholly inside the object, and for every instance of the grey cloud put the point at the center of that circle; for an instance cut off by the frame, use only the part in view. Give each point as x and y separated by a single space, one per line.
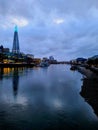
75 36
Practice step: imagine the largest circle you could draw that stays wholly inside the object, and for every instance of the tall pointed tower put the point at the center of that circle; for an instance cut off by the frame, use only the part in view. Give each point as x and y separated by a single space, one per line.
15 48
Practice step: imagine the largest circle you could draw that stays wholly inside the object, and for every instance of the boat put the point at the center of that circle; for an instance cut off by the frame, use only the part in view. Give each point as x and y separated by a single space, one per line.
44 64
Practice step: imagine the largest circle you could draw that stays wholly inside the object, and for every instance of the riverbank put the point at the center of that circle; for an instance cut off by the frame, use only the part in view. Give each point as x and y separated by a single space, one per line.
89 72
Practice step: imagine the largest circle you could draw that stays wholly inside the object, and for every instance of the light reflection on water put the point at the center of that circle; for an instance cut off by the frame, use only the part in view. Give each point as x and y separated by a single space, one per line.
43 98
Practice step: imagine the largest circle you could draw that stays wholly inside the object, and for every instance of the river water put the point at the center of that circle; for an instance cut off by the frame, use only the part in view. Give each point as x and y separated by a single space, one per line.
53 98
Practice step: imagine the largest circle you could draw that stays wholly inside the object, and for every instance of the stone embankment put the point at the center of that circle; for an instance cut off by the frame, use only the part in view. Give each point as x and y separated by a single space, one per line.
88 72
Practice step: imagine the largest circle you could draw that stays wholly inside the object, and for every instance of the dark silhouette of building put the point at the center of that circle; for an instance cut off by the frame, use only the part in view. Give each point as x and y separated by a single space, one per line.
1 73
15 48
1 49
15 81
89 91
6 50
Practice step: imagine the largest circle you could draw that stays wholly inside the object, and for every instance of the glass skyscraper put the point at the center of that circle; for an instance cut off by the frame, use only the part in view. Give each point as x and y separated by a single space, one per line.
15 48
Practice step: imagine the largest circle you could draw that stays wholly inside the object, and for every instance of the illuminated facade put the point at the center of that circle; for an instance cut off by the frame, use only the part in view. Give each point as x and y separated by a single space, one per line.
15 48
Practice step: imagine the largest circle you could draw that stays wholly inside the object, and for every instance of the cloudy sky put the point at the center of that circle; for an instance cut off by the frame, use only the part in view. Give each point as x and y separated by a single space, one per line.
65 29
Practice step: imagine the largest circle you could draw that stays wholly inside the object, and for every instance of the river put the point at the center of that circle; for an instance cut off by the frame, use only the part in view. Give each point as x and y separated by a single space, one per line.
53 98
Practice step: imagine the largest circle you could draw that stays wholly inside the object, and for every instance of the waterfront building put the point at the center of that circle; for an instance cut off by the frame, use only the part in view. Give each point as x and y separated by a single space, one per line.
94 57
1 49
93 60
81 60
51 58
30 56
36 60
6 50
15 48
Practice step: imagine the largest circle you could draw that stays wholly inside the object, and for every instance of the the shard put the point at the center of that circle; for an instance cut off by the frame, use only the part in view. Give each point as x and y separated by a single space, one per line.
15 48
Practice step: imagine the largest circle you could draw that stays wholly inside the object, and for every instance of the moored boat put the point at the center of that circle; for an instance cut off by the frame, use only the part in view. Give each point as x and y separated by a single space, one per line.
44 64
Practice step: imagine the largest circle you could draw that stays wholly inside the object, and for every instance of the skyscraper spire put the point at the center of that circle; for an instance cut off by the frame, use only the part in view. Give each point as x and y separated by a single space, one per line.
16 28
15 48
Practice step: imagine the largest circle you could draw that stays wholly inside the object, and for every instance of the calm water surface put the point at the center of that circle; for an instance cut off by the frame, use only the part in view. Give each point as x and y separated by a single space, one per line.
53 98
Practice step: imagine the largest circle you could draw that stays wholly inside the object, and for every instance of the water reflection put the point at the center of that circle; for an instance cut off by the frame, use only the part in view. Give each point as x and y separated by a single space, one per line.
11 73
43 98
1 73
15 81
89 91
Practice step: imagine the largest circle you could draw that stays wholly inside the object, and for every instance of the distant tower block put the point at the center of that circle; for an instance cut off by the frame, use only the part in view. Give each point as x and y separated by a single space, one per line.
15 48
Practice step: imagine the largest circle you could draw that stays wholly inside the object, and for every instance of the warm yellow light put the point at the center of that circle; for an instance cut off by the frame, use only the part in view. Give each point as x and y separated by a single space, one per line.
6 70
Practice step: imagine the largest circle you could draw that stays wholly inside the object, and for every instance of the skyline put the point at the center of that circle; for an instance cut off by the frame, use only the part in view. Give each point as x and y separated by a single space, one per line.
61 28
